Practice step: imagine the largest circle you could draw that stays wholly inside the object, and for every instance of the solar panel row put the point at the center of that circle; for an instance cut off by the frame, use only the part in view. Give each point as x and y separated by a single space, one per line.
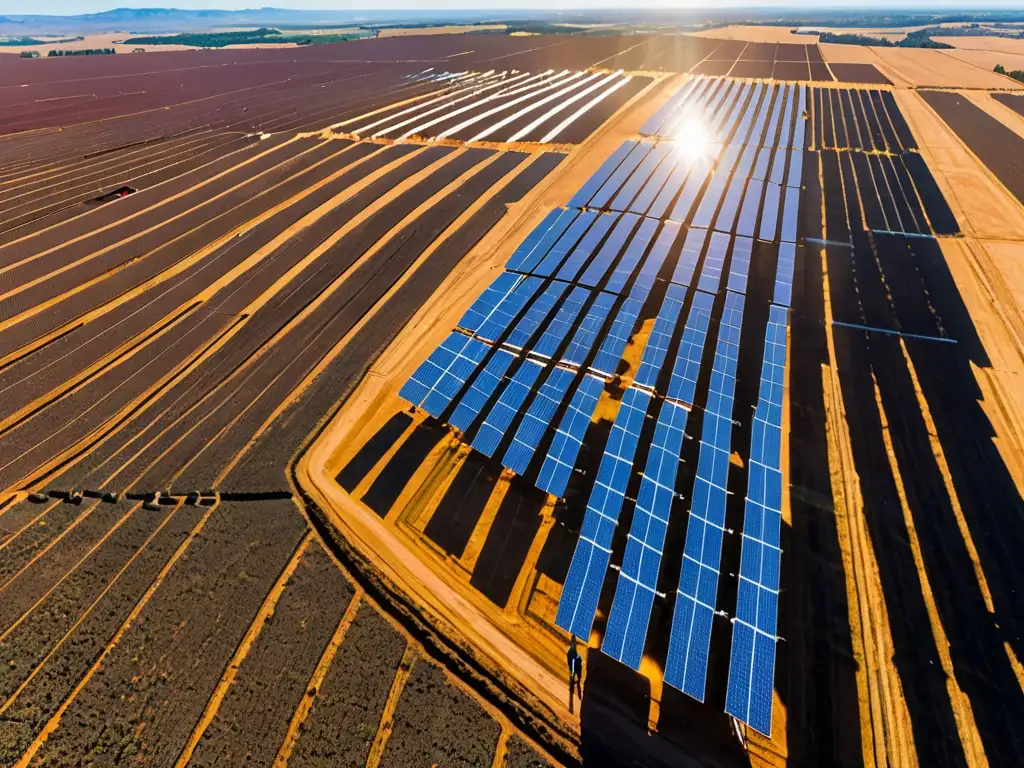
690 637
661 336
583 582
536 420
565 447
638 577
752 659
442 375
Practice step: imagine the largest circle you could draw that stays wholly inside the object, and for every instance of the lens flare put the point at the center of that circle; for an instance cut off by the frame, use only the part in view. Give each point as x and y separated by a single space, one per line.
693 140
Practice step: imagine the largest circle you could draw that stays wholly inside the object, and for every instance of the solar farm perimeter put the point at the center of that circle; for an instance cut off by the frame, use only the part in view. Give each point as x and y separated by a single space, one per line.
343 385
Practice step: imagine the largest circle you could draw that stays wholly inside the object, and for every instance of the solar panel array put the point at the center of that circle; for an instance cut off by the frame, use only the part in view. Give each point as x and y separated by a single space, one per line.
665 235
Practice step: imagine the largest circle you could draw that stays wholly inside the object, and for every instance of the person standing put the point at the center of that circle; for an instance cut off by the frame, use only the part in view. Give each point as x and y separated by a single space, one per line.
575 662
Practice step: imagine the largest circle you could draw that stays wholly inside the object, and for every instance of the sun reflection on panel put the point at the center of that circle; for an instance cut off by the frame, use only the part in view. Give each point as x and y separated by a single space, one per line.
693 139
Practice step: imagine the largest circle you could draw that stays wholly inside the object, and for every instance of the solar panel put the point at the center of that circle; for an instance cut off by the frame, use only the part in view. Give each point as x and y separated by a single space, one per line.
686 666
716 187
752 660
486 303
526 260
553 258
770 137
582 588
739 267
789 214
633 254
770 213
757 132
714 262
440 377
538 417
498 321
734 192
690 256
565 447
653 186
603 260
631 188
584 250
586 333
760 172
698 171
778 174
799 130
679 99
661 336
784 275
672 185
594 183
638 576
562 323
796 167
480 391
683 384
618 178
744 125
535 315
608 356
747 226
497 422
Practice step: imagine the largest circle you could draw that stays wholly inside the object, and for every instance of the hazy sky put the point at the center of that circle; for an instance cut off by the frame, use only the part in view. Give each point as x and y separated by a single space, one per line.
71 7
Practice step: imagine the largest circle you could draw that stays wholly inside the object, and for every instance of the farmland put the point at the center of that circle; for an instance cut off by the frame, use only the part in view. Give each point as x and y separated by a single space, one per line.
342 384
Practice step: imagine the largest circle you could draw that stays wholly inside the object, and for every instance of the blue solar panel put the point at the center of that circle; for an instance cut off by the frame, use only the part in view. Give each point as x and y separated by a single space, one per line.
585 249
599 265
535 315
527 247
770 212
565 243
586 333
690 256
538 417
683 384
716 188
699 170
778 174
745 123
498 321
653 186
789 214
784 275
677 179
725 114
489 436
739 267
752 661
480 391
634 253
747 226
757 132
760 172
562 323
796 166
690 638
525 260
771 134
801 123
726 218
594 183
787 125
660 338
565 447
440 377
618 178
492 296
714 263
608 356
638 577
582 589
631 188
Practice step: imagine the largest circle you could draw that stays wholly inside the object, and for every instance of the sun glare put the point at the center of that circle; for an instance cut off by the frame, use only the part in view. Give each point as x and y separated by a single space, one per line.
693 139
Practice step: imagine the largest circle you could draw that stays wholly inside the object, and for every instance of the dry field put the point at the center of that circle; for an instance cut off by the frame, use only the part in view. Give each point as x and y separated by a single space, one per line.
447 30
225 536
757 34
